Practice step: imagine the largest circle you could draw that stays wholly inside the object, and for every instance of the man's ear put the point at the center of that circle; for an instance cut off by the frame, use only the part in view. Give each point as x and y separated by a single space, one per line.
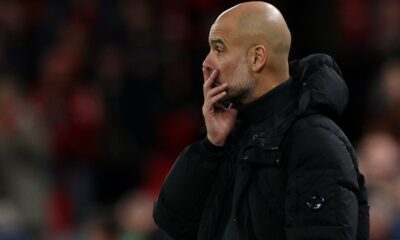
258 58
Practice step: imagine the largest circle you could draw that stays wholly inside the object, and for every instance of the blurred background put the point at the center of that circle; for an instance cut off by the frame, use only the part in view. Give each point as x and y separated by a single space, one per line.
98 97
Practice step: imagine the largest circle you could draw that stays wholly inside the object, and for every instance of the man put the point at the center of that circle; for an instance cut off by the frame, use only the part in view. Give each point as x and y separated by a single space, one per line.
273 165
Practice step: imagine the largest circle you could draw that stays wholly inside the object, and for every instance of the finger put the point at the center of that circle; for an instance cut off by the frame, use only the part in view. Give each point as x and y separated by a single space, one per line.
214 91
210 81
212 101
206 73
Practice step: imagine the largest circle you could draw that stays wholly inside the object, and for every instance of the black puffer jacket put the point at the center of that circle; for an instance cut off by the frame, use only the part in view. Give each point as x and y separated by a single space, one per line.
295 172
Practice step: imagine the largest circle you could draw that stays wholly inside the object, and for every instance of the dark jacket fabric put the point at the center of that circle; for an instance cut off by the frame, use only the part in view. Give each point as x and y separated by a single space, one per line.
294 172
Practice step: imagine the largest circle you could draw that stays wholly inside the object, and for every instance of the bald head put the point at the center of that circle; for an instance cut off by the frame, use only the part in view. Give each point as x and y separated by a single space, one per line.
260 23
249 46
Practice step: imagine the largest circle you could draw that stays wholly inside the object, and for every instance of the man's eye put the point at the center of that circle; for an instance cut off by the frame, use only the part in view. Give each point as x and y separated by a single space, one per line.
219 50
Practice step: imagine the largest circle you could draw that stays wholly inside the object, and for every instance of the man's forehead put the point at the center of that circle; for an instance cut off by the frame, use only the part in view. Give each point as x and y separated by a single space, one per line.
220 30
217 33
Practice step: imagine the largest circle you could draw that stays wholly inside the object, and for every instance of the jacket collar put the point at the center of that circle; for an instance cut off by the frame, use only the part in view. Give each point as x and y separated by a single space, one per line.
270 103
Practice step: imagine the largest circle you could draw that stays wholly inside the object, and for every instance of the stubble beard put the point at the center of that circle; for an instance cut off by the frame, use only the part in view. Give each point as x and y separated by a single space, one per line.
240 91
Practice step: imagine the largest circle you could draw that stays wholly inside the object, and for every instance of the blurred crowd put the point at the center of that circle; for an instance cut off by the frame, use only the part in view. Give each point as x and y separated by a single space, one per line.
98 97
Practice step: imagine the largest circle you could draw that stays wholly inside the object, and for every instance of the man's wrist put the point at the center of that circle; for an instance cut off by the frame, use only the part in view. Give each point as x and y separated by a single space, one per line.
215 143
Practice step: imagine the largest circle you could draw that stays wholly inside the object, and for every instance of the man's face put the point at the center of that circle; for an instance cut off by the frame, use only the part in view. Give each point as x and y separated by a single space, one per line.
228 55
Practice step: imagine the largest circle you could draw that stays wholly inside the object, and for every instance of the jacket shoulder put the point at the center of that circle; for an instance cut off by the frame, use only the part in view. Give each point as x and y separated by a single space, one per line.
316 142
317 122
319 131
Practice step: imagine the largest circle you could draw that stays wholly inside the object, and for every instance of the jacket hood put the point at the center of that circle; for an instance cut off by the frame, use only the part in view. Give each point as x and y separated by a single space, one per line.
321 85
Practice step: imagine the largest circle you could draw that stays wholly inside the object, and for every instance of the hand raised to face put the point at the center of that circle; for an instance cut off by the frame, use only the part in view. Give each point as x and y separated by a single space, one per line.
219 120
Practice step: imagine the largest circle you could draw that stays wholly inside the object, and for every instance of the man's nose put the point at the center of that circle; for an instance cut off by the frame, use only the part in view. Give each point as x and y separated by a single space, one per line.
207 66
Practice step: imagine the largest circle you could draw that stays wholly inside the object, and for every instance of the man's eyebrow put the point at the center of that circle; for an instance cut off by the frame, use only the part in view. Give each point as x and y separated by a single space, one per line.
216 41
